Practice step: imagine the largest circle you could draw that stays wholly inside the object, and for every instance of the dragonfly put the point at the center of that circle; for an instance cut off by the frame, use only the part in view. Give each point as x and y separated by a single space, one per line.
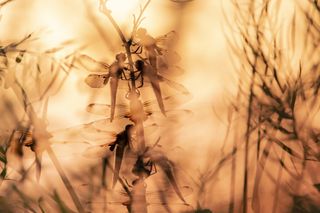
112 73
157 51
146 71
145 164
122 143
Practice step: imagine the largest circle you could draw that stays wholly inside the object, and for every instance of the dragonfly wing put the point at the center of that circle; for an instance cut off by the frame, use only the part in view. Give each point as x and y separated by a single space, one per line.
174 85
99 151
170 70
105 124
96 80
90 64
173 116
167 40
170 102
167 64
172 57
85 131
104 109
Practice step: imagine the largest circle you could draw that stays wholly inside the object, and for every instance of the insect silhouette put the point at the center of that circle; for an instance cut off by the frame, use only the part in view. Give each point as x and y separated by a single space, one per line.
119 144
157 51
114 72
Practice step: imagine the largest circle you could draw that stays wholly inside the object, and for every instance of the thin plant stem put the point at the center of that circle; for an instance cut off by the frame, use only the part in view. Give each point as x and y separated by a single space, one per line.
32 114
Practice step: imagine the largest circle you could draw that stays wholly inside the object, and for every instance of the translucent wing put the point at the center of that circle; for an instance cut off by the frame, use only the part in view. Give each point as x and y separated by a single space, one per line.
150 106
28 148
174 85
103 150
170 102
96 80
168 68
99 151
91 65
167 61
86 131
167 40
104 109
174 116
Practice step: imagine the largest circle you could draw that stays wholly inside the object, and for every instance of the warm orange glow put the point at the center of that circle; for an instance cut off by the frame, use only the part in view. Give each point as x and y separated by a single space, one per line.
122 10
224 114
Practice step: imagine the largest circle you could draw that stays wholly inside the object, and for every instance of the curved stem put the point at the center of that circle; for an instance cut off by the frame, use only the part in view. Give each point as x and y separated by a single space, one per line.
136 23
126 44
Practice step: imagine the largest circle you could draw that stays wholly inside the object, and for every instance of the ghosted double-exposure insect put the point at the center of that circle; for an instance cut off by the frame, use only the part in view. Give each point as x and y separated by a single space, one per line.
114 73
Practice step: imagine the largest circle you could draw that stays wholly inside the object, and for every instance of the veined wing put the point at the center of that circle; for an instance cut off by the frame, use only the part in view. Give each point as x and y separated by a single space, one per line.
170 102
91 65
170 70
168 60
99 151
88 131
104 109
103 150
150 106
167 40
25 138
97 80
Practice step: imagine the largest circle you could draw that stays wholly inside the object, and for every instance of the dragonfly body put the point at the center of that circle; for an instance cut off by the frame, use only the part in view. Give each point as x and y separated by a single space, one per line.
150 45
120 144
149 72
114 72
138 116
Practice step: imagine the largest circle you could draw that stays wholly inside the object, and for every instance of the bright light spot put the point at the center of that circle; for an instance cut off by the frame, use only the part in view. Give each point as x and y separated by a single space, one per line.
121 10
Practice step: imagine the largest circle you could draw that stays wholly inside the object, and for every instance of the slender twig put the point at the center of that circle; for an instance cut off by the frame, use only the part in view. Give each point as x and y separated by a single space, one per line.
17 88
126 44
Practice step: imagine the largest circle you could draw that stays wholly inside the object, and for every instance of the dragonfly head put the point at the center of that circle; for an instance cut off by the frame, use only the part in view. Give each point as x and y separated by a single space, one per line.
143 167
2 51
139 64
121 57
141 32
128 127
